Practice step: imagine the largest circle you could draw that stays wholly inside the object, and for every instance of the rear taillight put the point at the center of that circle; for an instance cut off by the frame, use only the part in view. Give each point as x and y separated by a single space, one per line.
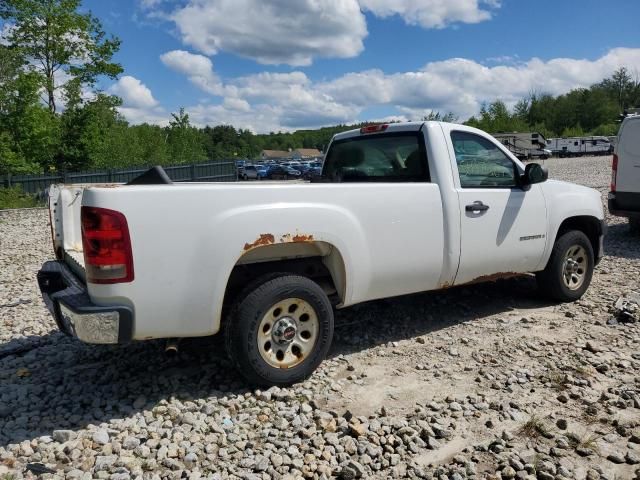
374 128
106 245
614 172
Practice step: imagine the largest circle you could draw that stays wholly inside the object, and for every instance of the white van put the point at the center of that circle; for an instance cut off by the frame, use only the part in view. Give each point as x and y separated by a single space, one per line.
624 197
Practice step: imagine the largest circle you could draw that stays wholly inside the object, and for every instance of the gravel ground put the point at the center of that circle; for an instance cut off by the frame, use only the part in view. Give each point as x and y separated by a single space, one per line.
485 381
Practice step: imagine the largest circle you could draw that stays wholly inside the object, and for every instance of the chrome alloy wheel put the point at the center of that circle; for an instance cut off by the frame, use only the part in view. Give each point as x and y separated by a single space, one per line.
288 333
574 267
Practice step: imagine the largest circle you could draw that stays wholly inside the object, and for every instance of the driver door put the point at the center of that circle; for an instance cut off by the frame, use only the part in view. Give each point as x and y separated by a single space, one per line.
503 225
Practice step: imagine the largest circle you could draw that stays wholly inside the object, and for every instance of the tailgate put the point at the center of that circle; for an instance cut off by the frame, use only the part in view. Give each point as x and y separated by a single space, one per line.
64 210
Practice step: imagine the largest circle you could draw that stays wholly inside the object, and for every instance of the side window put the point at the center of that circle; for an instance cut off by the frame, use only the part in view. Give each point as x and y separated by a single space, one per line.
481 164
389 157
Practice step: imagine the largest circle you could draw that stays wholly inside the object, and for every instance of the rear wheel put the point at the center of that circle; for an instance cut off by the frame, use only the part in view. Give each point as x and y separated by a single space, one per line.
279 330
570 268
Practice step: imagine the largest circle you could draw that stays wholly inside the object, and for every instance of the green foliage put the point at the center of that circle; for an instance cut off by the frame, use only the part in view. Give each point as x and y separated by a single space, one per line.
436 116
185 142
14 198
53 36
583 111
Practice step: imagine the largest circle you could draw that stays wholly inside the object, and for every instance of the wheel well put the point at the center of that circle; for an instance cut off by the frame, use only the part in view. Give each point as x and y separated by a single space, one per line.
590 226
326 270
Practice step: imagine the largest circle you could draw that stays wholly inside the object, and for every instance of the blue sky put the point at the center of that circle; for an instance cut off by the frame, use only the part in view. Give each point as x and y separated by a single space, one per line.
281 65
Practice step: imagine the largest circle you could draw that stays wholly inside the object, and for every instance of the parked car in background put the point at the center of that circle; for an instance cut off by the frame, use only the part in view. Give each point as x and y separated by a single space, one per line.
249 172
262 170
280 172
624 197
312 172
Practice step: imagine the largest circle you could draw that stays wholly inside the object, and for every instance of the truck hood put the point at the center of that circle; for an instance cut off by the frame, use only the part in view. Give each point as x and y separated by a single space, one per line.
573 199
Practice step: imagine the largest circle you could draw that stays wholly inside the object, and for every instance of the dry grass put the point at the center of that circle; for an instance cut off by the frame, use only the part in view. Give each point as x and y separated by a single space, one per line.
559 380
588 440
534 428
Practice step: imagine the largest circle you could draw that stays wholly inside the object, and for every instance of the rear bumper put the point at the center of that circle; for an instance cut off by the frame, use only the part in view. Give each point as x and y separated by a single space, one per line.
624 204
67 299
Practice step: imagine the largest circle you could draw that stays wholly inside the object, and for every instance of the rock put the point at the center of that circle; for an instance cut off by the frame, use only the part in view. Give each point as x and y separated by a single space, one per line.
615 457
357 429
632 457
101 437
508 472
627 308
130 443
62 436
562 424
592 475
104 463
262 463
590 347
352 470
139 402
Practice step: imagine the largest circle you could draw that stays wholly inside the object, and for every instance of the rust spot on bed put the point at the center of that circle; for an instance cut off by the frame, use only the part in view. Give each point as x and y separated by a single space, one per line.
302 238
261 241
297 238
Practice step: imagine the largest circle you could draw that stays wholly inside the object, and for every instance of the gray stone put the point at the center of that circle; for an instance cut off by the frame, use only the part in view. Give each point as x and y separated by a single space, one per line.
615 457
104 463
101 437
63 436
632 458
130 443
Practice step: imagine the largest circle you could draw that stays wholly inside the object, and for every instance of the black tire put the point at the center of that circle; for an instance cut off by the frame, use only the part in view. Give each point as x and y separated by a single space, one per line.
551 280
634 225
249 311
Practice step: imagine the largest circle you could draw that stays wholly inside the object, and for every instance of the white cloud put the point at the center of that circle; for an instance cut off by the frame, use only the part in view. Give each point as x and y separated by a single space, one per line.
273 31
297 32
460 85
138 103
283 101
133 92
198 68
433 13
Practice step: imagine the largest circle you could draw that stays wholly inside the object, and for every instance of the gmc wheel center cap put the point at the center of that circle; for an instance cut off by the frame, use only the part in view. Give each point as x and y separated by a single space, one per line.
285 330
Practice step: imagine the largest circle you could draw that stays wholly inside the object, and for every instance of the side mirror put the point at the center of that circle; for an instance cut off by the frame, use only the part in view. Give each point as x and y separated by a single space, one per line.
534 173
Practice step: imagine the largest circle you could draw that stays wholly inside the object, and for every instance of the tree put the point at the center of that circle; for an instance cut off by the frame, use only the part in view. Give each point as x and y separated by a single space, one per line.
186 143
438 117
59 42
28 131
89 130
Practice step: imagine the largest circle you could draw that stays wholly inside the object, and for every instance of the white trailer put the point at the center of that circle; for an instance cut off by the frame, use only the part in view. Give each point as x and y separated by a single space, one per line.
580 146
525 145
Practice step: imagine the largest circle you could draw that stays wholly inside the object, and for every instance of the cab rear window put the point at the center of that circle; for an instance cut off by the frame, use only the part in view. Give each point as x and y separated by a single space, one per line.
388 157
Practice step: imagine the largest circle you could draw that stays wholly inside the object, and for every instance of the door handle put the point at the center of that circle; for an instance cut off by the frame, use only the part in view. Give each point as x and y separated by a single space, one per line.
477 206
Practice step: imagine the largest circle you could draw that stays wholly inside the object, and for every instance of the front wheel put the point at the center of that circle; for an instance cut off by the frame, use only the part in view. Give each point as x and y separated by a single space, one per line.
279 330
570 268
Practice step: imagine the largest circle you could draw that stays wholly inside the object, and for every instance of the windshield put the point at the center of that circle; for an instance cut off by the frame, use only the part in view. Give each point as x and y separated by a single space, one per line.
384 157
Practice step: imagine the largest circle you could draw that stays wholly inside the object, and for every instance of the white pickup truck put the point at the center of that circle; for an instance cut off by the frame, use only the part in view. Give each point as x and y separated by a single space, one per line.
398 209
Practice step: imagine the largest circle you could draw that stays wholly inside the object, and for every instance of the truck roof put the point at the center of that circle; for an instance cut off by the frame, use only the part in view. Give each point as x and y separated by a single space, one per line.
392 127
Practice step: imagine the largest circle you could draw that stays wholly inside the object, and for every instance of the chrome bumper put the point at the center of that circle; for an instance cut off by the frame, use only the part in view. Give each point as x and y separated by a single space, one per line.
67 299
